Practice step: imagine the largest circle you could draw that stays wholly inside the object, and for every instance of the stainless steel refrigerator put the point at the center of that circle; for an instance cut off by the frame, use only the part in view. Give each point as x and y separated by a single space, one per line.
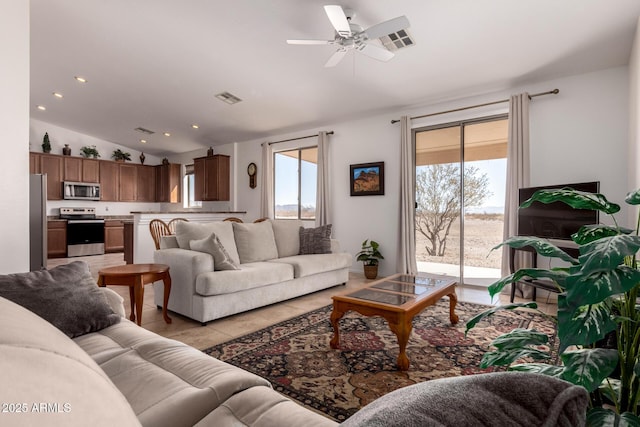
37 221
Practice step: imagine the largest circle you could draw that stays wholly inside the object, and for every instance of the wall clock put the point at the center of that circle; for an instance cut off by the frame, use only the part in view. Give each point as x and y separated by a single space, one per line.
252 169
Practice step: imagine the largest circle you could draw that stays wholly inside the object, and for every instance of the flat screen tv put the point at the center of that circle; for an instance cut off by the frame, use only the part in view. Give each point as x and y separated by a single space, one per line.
554 220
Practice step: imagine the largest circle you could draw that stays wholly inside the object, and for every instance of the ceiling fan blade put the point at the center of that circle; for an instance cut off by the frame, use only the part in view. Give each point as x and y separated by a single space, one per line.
387 27
336 57
375 52
309 41
338 20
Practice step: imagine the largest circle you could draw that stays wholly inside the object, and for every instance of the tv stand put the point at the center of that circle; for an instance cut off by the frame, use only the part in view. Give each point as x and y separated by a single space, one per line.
567 246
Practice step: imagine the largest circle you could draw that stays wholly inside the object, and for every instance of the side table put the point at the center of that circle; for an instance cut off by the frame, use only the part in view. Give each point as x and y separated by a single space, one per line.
136 276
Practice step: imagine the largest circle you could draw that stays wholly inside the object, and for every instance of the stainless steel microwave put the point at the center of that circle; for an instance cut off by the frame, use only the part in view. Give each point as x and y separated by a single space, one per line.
81 191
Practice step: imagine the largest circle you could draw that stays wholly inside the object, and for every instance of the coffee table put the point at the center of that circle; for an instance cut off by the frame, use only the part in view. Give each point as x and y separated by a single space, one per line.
136 276
398 299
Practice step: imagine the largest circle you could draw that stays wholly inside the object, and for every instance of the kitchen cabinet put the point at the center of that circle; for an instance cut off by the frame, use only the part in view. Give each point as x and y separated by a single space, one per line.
113 235
128 242
109 173
56 239
169 183
211 181
51 165
72 169
146 185
34 162
128 183
90 170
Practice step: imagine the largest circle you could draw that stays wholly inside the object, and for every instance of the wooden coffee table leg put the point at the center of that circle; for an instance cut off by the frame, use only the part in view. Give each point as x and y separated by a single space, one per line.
132 299
401 326
336 315
138 291
453 300
167 290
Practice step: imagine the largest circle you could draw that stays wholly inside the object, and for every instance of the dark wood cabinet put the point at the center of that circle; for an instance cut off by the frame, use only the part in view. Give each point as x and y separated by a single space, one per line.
211 181
128 242
56 239
146 185
72 169
169 183
90 170
51 165
109 181
128 183
34 163
113 235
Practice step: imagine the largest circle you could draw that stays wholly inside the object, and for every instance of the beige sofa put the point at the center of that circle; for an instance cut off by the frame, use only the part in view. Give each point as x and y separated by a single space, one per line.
124 375
270 267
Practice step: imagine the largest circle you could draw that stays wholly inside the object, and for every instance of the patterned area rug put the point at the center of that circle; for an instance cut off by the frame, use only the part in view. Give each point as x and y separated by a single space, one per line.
295 356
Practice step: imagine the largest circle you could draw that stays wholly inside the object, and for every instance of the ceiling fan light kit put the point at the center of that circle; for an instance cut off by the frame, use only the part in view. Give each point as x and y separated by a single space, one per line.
351 36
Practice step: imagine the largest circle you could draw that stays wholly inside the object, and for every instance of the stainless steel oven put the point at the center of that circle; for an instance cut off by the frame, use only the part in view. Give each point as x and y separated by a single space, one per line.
85 232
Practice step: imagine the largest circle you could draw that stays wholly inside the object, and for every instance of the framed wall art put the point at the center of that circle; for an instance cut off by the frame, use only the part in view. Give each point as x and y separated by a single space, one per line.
367 179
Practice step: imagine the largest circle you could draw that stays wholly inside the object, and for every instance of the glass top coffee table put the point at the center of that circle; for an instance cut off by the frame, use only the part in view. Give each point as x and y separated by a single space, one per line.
398 299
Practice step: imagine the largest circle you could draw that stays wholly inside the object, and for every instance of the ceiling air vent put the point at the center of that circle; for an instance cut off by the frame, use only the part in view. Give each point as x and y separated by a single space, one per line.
145 131
228 98
396 41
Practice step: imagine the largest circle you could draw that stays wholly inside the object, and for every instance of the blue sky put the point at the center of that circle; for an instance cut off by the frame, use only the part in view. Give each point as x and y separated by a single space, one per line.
286 192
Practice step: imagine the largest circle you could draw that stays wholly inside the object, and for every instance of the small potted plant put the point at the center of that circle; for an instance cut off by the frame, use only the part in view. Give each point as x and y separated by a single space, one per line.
120 156
46 145
370 257
89 151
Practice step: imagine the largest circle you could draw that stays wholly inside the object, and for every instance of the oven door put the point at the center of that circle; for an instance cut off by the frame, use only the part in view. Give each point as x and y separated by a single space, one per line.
85 237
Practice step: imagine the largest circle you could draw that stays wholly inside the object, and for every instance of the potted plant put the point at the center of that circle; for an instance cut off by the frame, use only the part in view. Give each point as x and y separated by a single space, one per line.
89 151
120 156
370 257
46 145
597 300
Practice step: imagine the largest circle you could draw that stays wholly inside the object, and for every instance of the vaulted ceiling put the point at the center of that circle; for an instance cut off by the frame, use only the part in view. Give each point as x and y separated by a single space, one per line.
158 64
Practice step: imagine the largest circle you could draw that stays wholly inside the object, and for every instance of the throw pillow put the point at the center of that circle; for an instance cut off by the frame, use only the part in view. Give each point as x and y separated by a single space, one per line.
212 245
255 241
287 235
315 240
66 296
188 231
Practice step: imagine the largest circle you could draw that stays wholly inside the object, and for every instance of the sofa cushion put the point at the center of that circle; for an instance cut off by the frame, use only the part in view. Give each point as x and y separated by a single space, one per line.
287 235
307 265
255 241
66 296
212 246
186 231
315 240
251 275
40 364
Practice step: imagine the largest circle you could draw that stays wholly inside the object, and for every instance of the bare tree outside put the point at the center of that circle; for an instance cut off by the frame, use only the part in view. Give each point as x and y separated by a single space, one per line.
438 200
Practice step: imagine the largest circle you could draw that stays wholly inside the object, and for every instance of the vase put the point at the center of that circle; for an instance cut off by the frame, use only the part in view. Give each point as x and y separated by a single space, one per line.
142 158
66 150
165 161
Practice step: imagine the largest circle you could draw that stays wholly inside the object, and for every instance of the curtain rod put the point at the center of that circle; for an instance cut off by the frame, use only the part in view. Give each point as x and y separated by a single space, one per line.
300 137
551 92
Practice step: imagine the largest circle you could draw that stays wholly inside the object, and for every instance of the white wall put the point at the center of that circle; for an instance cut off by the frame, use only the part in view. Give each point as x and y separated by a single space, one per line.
577 135
14 134
59 136
634 122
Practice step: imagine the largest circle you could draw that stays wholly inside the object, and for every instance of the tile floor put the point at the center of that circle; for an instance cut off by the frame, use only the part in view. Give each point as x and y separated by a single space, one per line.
221 330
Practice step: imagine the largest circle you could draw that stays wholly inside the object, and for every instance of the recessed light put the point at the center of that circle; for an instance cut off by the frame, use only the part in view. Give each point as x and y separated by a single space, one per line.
143 141
57 94
166 134
41 107
195 126
80 79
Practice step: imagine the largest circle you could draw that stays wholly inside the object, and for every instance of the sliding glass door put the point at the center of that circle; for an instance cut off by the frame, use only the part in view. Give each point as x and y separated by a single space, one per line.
460 190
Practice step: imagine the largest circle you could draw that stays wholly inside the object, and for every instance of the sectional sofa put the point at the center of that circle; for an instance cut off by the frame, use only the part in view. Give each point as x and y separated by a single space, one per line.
223 268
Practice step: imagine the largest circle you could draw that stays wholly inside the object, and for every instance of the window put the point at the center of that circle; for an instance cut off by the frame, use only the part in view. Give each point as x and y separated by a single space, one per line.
295 177
189 185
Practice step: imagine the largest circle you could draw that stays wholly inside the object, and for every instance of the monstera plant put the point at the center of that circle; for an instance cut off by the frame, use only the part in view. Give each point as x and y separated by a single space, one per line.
598 313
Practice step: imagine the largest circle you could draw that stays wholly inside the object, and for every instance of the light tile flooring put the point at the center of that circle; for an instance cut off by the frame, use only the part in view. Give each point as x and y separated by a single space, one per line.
221 330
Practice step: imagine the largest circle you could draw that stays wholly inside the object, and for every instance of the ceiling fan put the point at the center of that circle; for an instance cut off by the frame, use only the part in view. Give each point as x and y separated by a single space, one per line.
352 36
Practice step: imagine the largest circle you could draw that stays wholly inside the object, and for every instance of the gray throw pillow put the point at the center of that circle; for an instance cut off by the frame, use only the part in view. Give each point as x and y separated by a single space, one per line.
315 240
212 246
66 296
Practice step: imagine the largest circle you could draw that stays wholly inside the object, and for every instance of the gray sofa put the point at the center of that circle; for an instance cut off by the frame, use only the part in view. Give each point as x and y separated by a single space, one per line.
269 265
120 375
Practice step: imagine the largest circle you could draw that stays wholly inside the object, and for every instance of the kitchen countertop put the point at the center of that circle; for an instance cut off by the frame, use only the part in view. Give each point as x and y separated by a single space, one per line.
105 217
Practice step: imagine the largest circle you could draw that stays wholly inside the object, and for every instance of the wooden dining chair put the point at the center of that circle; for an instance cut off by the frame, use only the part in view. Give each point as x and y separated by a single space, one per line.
158 228
233 219
172 224
261 219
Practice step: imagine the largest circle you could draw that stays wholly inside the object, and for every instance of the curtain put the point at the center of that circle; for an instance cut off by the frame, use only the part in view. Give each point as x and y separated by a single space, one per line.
266 196
518 175
323 207
407 246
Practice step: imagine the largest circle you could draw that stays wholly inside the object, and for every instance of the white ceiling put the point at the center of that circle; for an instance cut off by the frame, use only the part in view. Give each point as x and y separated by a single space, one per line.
157 64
